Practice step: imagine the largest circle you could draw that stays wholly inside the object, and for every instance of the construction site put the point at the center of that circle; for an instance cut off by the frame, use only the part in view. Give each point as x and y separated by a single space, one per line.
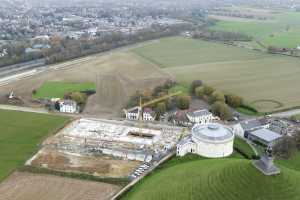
107 148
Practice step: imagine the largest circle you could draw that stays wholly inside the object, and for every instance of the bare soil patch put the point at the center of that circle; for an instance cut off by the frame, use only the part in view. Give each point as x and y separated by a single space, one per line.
27 186
102 166
117 77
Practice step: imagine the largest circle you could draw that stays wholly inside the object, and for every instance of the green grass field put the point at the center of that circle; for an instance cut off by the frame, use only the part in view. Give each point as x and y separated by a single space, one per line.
20 134
296 117
258 77
244 147
216 179
52 89
282 30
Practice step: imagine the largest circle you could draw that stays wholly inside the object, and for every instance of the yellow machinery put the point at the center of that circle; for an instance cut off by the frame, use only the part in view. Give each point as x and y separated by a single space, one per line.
143 105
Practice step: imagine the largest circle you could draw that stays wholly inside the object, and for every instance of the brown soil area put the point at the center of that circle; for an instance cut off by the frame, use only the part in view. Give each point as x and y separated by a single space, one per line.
117 77
27 186
103 166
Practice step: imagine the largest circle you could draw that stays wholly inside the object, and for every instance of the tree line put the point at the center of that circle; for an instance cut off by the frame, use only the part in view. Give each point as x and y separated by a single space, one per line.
219 101
63 49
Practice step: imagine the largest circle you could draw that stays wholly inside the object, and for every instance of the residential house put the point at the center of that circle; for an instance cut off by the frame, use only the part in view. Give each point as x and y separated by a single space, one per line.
200 116
148 114
67 106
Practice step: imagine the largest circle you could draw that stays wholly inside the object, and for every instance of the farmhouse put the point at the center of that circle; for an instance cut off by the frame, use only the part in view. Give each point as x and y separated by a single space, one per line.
200 116
211 140
133 114
265 137
149 114
67 106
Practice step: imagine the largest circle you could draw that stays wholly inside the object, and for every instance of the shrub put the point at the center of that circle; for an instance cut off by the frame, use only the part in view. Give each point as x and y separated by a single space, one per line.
216 96
285 148
79 98
199 92
161 108
195 84
222 110
233 100
208 90
183 102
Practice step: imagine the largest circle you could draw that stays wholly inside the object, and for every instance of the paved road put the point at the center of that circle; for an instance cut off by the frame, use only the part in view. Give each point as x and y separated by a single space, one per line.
23 109
287 113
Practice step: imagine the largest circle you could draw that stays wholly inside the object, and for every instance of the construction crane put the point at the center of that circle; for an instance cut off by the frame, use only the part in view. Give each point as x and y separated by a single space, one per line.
159 99
141 105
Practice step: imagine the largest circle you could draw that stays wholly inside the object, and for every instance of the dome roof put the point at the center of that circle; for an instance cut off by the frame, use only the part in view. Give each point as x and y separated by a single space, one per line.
212 132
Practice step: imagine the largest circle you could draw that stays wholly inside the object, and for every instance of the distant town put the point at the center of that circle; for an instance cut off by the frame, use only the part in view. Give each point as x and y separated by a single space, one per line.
149 100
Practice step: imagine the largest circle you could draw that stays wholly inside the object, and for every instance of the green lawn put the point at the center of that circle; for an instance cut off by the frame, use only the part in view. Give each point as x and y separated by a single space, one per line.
271 32
20 134
53 89
179 88
216 179
255 76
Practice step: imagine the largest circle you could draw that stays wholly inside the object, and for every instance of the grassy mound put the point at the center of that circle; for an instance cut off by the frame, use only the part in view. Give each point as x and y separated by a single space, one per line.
212 179
243 148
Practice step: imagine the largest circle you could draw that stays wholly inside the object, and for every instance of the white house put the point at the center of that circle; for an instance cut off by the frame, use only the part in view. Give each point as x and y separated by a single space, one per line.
200 116
3 53
209 140
148 114
67 106
133 114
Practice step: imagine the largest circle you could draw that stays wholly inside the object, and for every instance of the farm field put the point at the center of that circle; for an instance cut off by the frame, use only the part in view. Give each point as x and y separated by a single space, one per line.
265 81
116 77
20 135
281 29
55 89
27 186
215 179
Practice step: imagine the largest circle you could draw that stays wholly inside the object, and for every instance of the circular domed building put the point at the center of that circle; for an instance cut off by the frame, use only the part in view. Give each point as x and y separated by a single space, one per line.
209 140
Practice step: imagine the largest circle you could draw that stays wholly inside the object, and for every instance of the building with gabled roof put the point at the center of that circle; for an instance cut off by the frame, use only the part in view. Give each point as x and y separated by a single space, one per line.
200 116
